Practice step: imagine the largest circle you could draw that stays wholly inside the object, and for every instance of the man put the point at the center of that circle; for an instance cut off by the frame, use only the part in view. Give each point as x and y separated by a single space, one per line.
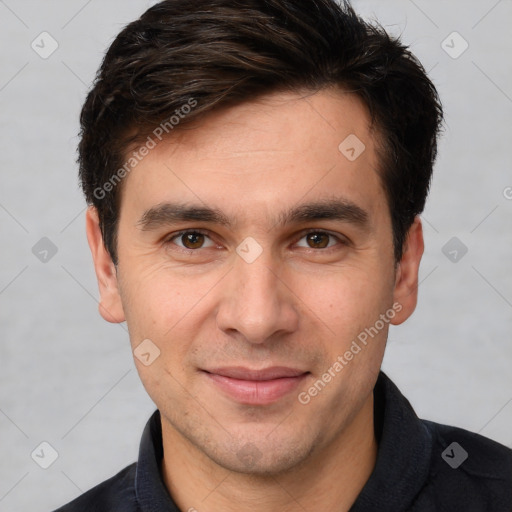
255 172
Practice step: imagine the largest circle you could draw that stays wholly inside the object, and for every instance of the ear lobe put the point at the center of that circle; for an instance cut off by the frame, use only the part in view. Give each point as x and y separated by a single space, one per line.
406 281
110 305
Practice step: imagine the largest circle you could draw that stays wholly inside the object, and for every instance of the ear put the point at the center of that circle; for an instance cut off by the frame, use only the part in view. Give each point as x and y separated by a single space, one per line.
406 279
110 306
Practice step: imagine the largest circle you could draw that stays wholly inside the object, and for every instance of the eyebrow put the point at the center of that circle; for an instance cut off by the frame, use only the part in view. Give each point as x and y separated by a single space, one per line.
342 210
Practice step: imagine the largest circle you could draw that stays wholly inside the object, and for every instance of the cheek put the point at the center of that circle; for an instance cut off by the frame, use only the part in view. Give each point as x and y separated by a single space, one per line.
161 308
159 295
347 300
168 309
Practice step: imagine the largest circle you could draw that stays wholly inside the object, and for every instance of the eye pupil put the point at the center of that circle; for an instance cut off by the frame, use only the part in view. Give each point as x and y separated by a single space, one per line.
316 239
193 240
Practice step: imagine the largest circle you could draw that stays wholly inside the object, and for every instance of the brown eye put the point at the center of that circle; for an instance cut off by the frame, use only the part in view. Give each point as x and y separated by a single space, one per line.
192 240
322 240
317 240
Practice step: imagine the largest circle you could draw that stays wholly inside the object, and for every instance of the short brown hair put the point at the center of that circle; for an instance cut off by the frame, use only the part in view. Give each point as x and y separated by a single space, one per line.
220 52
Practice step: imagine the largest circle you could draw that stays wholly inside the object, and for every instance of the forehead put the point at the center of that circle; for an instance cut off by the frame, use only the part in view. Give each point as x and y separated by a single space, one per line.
264 155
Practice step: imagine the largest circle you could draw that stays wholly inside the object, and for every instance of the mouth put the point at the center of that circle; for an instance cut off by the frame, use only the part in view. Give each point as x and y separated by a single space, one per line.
256 387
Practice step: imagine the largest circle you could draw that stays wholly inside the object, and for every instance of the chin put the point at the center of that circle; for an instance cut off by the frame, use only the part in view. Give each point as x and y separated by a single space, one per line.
263 458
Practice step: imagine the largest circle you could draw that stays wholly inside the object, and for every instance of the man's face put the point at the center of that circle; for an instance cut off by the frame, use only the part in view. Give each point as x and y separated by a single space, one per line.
253 306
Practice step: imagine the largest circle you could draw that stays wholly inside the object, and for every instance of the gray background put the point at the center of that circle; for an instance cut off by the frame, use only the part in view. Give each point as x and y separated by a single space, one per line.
68 378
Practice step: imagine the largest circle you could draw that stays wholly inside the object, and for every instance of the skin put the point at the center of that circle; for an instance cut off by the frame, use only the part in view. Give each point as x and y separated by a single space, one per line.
297 305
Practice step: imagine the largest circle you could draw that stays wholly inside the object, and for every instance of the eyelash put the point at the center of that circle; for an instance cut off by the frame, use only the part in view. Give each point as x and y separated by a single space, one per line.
340 241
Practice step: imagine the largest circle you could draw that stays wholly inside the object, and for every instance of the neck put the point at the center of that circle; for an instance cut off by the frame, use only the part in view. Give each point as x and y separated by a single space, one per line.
329 480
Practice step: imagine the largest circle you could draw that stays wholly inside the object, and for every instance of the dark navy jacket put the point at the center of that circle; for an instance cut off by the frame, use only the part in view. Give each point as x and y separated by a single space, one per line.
421 466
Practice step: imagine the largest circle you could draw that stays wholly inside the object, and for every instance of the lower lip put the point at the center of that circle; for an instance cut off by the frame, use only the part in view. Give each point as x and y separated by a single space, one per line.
260 392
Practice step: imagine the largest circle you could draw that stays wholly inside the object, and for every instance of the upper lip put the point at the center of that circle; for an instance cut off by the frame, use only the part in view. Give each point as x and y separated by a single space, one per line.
242 373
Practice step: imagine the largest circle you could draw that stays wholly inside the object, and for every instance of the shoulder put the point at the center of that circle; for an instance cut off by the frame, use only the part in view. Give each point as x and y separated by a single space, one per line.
468 468
117 494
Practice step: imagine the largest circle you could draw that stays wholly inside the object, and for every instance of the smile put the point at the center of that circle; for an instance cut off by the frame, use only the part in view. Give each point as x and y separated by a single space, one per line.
256 387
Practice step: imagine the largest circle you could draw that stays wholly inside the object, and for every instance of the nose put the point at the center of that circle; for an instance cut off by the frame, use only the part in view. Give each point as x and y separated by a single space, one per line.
257 302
